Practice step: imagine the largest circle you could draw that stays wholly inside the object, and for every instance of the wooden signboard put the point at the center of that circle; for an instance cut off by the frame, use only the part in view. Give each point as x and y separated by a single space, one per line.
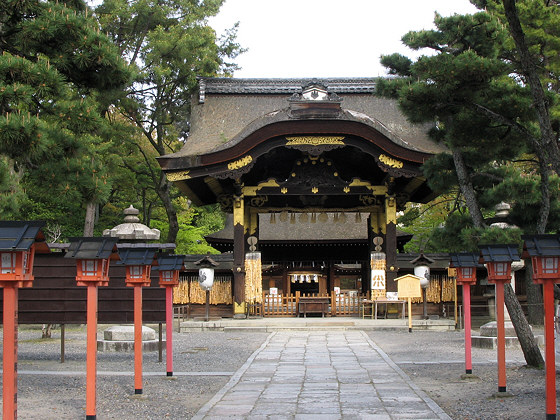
408 286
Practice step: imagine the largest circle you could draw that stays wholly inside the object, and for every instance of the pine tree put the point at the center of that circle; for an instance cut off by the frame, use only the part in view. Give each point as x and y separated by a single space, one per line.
474 92
58 75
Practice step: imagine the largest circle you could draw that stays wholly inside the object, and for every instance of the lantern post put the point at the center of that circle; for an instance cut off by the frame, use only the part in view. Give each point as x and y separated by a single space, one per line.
138 259
544 251
465 265
206 278
17 252
92 270
498 259
169 266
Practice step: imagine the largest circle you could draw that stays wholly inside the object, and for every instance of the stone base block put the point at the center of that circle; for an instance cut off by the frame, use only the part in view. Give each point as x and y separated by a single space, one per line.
128 346
126 333
484 342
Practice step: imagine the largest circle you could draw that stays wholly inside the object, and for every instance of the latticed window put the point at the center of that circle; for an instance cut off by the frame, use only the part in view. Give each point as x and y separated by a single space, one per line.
467 272
549 265
89 267
136 271
8 262
166 275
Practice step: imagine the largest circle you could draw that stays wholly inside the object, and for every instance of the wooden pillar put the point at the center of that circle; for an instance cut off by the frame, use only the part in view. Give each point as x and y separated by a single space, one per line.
391 242
286 283
238 255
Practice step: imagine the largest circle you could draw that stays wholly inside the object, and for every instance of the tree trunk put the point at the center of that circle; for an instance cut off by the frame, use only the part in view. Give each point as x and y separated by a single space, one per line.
535 309
89 224
467 189
164 194
531 351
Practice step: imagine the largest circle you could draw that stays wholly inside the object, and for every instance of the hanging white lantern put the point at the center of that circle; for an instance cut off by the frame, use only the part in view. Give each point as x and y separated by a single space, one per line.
206 278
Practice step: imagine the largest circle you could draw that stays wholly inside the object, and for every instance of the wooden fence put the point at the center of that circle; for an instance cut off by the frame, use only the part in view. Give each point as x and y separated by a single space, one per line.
343 304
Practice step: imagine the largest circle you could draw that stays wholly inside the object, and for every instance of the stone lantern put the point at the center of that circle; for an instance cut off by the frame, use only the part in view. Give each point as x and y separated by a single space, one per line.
132 229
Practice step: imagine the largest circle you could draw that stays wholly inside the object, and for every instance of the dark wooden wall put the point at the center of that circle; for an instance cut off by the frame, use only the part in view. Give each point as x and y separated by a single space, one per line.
55 298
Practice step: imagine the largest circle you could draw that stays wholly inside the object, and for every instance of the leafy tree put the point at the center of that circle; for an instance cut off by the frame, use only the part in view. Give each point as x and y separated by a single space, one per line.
170 43
474 91
195 223
57 74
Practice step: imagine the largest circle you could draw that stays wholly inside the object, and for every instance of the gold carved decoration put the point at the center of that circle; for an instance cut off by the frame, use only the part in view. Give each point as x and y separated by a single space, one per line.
314 140
314 190
178 176
252 190
284 190
346 190
375 189
389 161
240 163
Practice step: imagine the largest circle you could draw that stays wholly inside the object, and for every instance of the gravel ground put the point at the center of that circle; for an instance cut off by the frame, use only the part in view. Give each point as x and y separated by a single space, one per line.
178 397
433 360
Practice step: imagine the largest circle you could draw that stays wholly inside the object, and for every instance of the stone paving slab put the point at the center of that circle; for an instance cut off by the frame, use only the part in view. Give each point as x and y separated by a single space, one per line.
320 374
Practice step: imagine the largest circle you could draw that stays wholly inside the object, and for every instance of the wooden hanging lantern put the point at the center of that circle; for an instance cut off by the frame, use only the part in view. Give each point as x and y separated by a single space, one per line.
92 259
465 265
544 251
169 267
138 259
498 259
17 252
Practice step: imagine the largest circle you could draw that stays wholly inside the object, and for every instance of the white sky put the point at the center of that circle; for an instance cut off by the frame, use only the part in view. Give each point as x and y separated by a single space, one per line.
326 38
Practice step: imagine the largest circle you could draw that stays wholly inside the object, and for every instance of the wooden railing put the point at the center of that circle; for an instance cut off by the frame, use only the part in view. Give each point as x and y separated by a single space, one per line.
343 304
278 305
346 304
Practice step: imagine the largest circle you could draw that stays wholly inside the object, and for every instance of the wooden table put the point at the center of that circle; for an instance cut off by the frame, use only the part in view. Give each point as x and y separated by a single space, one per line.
313 305
373 306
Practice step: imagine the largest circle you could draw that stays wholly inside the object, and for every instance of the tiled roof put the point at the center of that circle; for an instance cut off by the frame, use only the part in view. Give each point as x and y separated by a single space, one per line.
283 86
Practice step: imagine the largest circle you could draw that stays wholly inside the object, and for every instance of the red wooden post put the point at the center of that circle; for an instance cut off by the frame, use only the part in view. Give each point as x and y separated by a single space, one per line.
92 270
169 266
169 330
16 270
501 337
464 265
468 341
138 339
138 259
498 259
9 377
91 352
550 357
544 251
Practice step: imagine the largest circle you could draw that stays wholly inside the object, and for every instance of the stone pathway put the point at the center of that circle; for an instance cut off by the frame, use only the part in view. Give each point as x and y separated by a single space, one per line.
320 375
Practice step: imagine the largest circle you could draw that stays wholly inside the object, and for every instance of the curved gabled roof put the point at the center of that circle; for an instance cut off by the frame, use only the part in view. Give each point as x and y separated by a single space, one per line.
253 131
227 111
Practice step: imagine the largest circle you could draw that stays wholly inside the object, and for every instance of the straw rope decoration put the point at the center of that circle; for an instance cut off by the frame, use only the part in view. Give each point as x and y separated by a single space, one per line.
253 277
189 291
440 289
